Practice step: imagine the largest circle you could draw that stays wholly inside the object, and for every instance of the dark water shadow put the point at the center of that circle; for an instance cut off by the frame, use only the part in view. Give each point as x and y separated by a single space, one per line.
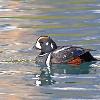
45 77
71 69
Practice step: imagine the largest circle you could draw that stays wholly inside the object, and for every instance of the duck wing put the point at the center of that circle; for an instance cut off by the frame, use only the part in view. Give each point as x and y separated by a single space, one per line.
65 53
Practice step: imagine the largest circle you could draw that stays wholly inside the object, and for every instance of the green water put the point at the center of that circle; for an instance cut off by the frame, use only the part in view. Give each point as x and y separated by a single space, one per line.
68 22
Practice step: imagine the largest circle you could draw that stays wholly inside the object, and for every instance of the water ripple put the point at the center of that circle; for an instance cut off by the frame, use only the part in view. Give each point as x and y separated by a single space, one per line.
2 9
7 27
69 88
96 11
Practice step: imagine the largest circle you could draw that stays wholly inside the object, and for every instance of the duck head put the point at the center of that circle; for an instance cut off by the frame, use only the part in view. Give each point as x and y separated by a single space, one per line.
45 44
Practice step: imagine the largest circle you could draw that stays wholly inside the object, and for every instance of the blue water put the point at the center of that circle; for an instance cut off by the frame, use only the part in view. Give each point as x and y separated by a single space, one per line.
68 22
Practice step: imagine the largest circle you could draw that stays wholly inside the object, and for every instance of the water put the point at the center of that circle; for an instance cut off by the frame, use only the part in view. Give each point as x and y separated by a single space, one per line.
68 22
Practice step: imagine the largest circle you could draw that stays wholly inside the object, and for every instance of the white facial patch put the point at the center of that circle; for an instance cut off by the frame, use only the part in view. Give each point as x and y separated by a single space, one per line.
47 43
38 45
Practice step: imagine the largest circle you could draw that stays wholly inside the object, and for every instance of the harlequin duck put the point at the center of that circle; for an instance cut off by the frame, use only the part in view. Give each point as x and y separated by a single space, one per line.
53 54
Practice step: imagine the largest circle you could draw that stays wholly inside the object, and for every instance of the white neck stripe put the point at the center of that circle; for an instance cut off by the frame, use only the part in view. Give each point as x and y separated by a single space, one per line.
48 60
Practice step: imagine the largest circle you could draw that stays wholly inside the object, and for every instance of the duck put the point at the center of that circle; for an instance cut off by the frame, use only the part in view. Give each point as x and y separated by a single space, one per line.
50 53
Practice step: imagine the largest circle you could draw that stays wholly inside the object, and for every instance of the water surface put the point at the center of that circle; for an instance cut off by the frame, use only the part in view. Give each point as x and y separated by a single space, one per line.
68 22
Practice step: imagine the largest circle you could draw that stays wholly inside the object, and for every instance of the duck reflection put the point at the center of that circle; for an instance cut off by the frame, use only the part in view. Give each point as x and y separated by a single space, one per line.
44 78
46 75
71 69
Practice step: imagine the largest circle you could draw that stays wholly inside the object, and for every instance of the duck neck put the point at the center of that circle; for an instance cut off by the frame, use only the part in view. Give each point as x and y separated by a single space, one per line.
42 53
